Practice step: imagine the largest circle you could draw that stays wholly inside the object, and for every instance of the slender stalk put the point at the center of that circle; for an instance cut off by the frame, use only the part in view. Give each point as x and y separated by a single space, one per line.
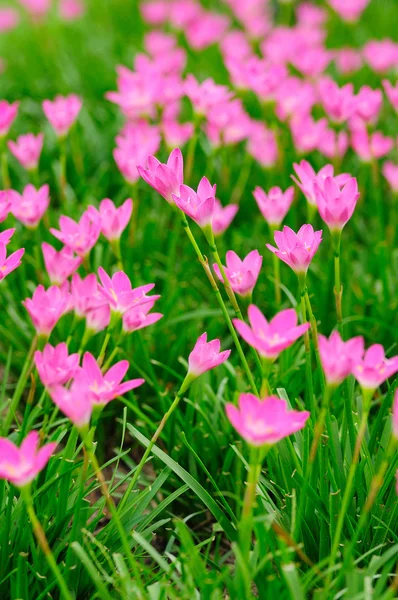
43 543
62 160
104 346
314 335
221 302
242 180
112 509
307 347
4 165
191 152
338 289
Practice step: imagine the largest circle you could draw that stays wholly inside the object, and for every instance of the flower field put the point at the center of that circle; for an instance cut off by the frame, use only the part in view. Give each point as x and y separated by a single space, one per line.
198 287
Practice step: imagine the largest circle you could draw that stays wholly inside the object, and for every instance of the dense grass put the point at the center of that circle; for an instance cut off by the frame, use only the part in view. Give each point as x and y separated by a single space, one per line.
183 516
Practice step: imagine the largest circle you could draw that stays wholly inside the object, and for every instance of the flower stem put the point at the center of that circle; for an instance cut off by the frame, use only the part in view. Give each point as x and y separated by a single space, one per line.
191 152
4 166
338 289
62 160
277 273
242 180
307 347
43 543
213 283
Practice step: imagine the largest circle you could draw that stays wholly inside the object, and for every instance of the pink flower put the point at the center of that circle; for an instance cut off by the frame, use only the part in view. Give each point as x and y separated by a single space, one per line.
79 236
155 12
5 204
70 10
119 293
349 10
21 465
223 216
348 60
46 307
8 113
368 104
197 205
294 98
297 249
374 368
157 42
381 55
134 144
333 145
307 177
98 319
241 274
59 265
164 178
371 146
6 235
205 356
27 150
85 295
391 93
266 421
9 19
206 95
338 357
176 134
395 416
336 205
228 124
75 402
7 265
37 8
312 61
270 339
113 221
338 103
274 205
137 317
307 133
390 172
262 145
62 112
30 206
309 15
106 387
55 366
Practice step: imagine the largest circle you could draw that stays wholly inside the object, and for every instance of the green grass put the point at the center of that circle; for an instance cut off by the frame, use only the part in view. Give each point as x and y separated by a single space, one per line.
183 518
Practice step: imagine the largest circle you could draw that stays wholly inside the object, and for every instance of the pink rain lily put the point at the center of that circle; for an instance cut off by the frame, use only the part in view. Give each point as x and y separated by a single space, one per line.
241 274
30 206
139 317
113 221
176 134
5 204
98 319
262 145
106 387
368 103
27 149
164 178
46 307
223 216
348 60
70 10
21 465
270 338
381 55
336 205
6 235
370 146
306 178
338 357
55 366
10 263
296 249
205 356
9 18
85 295
75 402
307 133
59 265
79 236
120 295
349 10
374 368
8 113
339 103
37 8
206 94
197 205
62 112
264 421
390 172
333 145
274 205
391 93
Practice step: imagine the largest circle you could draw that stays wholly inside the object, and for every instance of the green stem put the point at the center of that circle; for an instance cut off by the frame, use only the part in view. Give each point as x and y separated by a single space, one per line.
338 290
43 543
4 167
307 347
62 160
191 152
221 302
242 180
277 272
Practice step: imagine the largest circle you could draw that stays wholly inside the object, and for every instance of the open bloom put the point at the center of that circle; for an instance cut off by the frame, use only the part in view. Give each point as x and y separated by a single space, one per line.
349 10
27 150
59 265
338 103
264 421
85 295
21 465
75 402
335 205
113 221
371 146
391 93
197 205
8 113
164 178
222 216
9 18
296 249
5 203
120 295
338 357
205 356
270 338
79 236
306 178
106 387
139 317
30 206
10 263
368 103
374 368
55 366
241 274
390 172
46 307
274 205
62 112
6 235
